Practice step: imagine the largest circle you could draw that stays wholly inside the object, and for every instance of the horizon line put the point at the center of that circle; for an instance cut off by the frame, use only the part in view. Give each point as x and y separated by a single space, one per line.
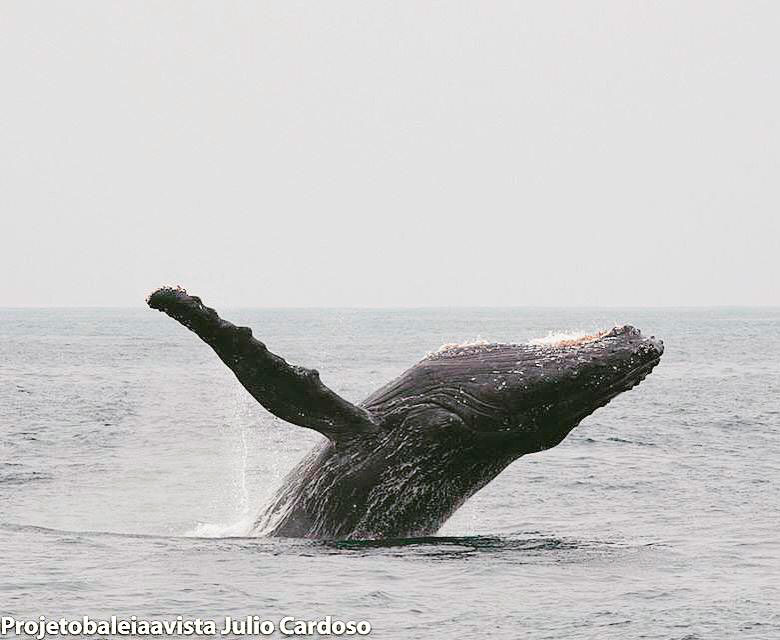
418 307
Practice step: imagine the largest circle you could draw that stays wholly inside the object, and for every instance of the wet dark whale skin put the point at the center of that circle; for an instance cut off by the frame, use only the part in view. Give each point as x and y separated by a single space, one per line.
402 461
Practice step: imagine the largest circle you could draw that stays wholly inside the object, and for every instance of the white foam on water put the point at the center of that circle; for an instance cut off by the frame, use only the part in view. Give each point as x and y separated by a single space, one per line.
240 529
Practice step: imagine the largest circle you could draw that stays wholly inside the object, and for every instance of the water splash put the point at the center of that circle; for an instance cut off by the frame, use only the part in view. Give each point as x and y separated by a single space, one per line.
242 519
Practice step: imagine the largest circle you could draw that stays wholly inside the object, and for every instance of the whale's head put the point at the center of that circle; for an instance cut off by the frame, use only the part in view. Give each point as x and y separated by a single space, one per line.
525 397
568 379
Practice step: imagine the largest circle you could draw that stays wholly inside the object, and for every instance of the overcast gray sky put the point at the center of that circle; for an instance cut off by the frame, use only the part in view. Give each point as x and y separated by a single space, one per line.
390 153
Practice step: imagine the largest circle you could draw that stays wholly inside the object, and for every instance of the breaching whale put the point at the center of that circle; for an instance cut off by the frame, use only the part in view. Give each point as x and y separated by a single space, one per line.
402 461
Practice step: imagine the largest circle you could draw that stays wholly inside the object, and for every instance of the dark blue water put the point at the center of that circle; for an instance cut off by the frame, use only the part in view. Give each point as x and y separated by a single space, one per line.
132 463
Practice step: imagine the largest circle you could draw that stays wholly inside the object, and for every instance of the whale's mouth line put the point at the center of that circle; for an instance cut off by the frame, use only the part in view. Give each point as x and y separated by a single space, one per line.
589 404
635 376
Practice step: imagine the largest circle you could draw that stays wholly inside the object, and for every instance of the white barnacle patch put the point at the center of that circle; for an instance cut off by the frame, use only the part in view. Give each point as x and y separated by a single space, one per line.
563 339
455 349
553 340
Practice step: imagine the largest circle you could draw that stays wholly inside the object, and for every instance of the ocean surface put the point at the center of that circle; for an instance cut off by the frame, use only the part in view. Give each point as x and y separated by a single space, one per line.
132 463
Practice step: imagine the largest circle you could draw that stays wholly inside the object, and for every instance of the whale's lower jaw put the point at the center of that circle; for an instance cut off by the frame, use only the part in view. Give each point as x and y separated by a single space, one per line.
400 463
628 382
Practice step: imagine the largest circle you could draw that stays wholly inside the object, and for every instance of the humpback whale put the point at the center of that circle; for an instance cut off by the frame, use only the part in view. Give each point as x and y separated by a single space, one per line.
401 462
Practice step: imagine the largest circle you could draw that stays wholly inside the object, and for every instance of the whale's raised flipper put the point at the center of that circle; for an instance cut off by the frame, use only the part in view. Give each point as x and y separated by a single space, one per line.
292 393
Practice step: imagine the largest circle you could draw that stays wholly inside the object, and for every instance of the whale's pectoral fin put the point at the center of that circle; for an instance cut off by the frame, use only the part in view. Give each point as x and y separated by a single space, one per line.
292 393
